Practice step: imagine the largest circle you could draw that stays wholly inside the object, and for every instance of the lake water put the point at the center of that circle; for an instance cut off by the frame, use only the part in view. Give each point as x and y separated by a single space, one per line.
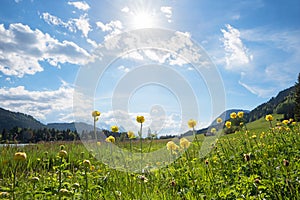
14 145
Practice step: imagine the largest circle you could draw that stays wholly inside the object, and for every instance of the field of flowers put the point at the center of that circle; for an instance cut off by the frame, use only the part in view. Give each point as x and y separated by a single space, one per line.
243 165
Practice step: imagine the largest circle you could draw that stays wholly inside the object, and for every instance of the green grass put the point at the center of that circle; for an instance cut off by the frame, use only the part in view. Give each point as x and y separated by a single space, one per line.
263 125
244 165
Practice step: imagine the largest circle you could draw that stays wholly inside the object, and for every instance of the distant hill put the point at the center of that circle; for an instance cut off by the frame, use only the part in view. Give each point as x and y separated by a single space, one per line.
79 126
9 120
283 103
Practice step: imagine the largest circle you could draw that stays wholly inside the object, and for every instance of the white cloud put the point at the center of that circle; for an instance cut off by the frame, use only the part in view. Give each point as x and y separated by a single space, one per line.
237 55
23 48
259 91
167 11
113 27
123 68
39 104
83 25
81 5
125 9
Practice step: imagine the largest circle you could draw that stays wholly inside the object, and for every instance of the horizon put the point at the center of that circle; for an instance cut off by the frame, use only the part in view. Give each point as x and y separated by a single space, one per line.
252 49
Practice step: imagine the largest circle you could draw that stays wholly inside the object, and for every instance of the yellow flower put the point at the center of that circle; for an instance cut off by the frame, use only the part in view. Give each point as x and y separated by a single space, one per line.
96 113
253 136
130 134
62 154
233 115
110 139
184 143
192 123
240 114
20 156
269 118
219 120
99 143
140 119
213 130
228 124
294 123
172 146
114 129
92 167
86 163
285 122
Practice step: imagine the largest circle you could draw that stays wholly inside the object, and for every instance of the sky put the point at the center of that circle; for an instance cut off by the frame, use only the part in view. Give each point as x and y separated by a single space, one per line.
55 59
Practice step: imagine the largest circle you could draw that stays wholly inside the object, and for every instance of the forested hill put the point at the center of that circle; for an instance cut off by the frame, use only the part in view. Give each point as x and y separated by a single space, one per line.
283 103
9 120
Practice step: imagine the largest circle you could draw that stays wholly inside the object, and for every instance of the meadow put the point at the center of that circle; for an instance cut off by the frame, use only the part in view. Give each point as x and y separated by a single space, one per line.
253 163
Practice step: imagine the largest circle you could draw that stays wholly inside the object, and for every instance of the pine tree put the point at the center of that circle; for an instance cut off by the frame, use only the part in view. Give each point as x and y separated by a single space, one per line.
297 99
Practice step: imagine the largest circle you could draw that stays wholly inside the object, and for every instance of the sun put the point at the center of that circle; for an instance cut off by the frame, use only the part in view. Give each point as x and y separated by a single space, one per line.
143 20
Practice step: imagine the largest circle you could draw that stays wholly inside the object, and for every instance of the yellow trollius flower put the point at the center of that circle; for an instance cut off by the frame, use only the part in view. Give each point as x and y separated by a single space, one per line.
62 154
110 139
286 122
192 123
172 146
219 120
269 118
140 119
114 129
233 115
240 114
228 124
86 163
96 113
20 156
213 130
130 134
184 143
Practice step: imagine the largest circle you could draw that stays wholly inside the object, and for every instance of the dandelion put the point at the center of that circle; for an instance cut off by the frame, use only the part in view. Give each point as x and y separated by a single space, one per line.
192 123
184 143
62 154
130 134
114 129
140 119
20 156
219 120
233 115
269 118
110 139
228 124
286 122
172 146
240 114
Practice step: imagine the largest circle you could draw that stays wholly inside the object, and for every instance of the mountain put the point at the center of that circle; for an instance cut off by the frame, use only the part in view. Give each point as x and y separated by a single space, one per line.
79 126
9 120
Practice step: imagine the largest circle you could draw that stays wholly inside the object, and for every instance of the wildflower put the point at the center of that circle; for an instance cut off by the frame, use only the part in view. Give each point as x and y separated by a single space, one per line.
172 146
192 123
62 154
86 163
130 134
184 143
294 123
96 113
76 185
110 139
114 129
35 179
247 156
206 161
286 162
269 118
240 114
228 124
253 136
140 119
64 192
233 115
241 123
286 122
143 178
20 156
219 120
213 130
92 167
99 143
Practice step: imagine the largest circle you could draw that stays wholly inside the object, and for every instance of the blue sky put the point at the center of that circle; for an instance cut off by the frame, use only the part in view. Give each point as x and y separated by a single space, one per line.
254 45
